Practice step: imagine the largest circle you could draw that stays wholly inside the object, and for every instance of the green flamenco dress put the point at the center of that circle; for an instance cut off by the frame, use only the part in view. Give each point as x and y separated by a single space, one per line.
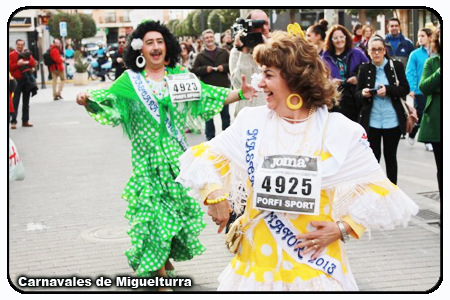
164 221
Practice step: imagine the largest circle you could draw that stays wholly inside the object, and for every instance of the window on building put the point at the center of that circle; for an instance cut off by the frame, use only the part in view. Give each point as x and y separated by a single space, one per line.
126 15
110 16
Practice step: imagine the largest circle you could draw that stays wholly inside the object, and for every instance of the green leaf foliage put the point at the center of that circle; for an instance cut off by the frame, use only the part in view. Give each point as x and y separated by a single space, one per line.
89 28
74 25
81 65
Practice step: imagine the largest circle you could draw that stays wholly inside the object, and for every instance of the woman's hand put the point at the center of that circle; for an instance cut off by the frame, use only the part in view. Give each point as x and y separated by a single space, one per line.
326 233
353 80
381 91
82 98
366 93
219 212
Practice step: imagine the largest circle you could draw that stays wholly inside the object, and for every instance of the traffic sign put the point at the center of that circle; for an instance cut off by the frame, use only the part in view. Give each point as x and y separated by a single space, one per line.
63 29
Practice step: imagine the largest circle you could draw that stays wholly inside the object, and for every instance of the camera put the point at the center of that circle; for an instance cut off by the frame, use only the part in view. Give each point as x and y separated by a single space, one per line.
249 39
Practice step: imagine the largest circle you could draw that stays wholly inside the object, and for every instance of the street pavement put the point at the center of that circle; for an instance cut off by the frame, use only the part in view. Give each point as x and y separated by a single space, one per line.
66 218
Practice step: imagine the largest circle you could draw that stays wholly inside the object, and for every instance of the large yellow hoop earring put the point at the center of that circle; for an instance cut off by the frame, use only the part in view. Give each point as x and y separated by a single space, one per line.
296 106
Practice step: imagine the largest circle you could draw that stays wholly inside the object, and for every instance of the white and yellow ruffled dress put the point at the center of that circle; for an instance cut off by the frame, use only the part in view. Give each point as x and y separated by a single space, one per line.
354 189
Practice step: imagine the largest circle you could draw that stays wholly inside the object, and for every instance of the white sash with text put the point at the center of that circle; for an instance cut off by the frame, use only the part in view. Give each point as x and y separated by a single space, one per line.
146 96
286 237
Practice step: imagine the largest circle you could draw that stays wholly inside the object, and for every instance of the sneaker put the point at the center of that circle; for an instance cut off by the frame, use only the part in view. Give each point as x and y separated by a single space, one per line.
411 141
428 147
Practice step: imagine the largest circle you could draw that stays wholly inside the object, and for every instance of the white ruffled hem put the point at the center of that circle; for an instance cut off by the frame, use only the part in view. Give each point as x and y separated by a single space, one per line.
230 281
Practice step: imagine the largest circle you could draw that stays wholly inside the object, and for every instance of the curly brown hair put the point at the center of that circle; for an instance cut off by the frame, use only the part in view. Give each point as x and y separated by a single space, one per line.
301 66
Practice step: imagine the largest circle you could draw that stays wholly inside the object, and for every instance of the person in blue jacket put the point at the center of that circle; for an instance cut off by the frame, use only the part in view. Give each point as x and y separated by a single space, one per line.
398 46
414 69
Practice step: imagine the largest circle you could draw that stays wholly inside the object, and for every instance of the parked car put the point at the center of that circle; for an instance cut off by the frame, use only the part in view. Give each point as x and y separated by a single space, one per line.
91 48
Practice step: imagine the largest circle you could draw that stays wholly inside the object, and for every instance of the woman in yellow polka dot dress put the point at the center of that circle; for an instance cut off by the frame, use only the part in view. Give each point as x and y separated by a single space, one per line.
309 178
165 222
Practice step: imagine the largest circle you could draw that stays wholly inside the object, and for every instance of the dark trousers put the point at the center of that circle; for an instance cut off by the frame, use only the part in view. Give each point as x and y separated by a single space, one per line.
210 130
21 90
391 138
437 149
419 105
101 61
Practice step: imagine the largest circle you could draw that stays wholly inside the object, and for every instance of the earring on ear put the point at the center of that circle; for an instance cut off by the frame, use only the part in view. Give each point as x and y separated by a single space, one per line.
140 61
294 106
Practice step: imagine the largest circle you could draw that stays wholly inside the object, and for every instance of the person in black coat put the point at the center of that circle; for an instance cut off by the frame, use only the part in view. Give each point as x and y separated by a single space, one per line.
211 66
117 62
382 114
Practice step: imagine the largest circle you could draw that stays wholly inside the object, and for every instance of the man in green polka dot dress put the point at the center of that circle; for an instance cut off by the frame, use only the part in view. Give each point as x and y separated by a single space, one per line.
164 222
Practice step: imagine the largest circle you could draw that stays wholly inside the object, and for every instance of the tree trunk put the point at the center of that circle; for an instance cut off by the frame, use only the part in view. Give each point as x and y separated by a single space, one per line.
292 16
362 16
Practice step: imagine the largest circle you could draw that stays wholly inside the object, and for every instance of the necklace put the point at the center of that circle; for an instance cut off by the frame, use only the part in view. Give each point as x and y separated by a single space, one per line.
295 134
311 111
298 120
156 86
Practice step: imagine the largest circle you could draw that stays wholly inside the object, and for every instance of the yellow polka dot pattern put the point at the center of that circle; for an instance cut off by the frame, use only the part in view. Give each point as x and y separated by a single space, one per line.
262 261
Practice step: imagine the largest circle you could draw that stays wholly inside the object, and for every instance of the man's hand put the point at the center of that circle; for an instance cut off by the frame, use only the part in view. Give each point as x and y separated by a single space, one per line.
237 41
82 98
209 69
22 62
247 90
220 68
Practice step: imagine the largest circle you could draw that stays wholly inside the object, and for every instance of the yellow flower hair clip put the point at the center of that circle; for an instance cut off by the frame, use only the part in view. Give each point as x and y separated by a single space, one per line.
295 30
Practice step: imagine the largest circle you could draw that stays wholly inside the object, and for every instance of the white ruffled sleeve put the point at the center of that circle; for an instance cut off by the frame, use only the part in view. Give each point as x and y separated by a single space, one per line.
219 162
357 184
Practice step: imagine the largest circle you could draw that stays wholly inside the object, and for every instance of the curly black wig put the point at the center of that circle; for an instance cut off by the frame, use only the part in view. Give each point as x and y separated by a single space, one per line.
172 47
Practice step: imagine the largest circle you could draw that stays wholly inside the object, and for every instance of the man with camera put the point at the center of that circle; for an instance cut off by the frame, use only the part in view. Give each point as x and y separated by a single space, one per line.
211 66
248 33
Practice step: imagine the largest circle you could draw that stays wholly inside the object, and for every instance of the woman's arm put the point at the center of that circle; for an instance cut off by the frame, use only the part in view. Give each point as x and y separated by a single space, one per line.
431 79
403 87
362 90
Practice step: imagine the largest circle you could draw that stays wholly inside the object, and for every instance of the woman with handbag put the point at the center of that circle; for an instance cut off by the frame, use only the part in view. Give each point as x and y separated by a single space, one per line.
308 186
382 113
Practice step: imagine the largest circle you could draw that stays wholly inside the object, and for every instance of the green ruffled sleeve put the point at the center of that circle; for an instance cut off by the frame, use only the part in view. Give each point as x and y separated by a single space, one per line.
211 102
116 105
102 107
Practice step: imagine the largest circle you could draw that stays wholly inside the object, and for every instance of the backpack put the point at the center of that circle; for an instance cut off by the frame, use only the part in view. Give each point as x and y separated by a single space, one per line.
48 61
